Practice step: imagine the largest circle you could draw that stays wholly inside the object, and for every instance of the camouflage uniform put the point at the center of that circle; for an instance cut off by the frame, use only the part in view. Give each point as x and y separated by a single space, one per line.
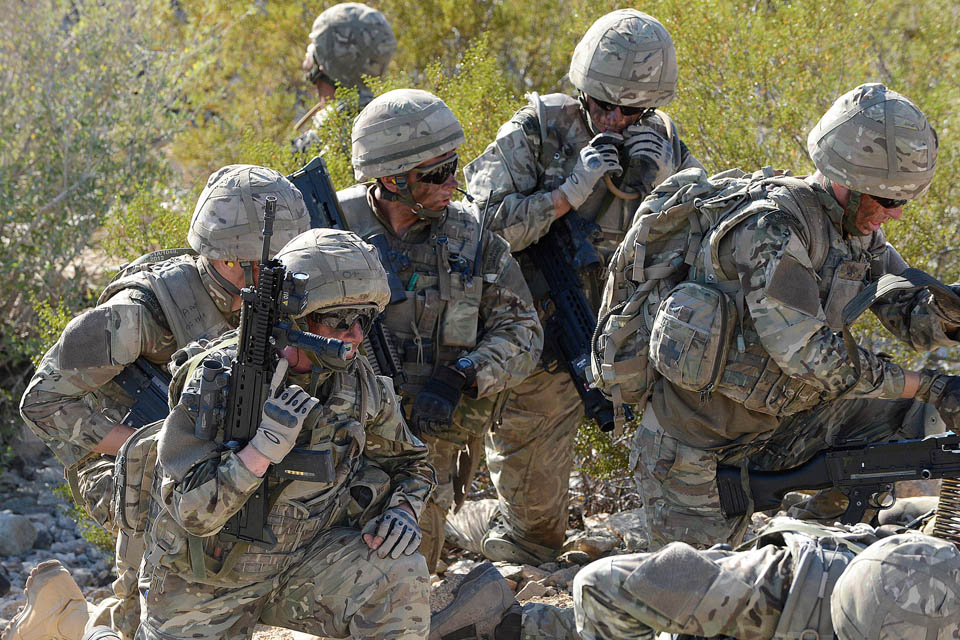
348 41
800 580
149 311
530 455
792 263
465 298
320 577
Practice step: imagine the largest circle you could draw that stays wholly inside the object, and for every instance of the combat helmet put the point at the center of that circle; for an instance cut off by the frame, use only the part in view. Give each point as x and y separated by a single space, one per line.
626 57
875 141
344 270
227 223
348 41
399 130
904 586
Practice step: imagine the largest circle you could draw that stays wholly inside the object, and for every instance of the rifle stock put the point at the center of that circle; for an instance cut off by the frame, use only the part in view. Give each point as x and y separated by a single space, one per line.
865 473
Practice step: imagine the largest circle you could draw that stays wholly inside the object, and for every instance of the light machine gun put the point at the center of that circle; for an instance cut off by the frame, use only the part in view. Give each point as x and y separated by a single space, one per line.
865 473
263 329
147 384
313 181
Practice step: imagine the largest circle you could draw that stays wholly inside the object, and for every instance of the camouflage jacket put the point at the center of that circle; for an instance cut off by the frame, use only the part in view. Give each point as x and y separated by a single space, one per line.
518 170
202 484
794 355
70 402
454 307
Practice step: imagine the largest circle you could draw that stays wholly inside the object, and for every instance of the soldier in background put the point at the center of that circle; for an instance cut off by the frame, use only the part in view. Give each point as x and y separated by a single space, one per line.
348 41
550 159
788 386
150 311
345 562
463 326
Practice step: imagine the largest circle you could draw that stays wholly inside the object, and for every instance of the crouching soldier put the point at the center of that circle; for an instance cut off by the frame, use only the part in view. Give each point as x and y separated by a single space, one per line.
344 563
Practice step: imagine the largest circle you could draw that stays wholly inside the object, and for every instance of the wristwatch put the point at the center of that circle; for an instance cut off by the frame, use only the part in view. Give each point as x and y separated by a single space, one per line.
467 368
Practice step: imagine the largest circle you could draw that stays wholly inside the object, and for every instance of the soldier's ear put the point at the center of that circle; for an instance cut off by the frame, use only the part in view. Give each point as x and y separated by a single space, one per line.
390 184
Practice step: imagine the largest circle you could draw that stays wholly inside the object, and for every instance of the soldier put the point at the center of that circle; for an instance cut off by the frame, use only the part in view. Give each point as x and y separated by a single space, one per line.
798 580
801 580
787 385
463 324
555 156
348 41
152 309
325 575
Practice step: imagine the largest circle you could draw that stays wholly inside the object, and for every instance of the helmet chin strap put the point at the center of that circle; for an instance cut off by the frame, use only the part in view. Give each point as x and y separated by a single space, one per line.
406 197
850 215
585 112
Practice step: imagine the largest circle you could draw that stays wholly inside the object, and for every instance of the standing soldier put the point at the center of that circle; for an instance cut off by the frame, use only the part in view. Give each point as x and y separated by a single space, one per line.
348 41
784 382
324 574
75 404
559 156
461 321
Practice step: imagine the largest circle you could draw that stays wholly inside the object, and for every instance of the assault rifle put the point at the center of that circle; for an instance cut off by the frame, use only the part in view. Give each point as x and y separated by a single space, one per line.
865 473
262 330
147 384
313 181
561 255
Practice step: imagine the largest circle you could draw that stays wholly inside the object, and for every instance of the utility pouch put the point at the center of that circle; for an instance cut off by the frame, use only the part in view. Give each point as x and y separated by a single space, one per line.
691 334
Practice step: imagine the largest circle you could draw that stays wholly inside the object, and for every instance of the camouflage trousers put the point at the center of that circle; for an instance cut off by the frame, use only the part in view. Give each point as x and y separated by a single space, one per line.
678 482
338 588
684 591
443 456
95 484
530 456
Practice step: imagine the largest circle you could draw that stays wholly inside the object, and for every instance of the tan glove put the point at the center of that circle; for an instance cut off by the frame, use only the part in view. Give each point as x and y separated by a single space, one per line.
284 413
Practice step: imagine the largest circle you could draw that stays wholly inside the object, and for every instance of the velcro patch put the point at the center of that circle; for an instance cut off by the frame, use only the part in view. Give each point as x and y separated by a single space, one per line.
795 286
86 341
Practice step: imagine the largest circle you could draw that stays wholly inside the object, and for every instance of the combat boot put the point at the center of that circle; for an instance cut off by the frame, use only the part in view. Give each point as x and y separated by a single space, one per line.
481 602
55 607
499 545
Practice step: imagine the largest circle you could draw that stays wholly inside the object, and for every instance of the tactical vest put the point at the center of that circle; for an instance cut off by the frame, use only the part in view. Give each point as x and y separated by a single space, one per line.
176 297
819 554
439 319
694 322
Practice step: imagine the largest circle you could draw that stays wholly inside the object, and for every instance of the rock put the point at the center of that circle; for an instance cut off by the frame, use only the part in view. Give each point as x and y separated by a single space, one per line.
574 557
512 583
629 526
594 545
562 578
10 609
509 571
29 447
531 590
461 567
4 585
549 592
23 504
550 567
44 539
533 574
17 534
82 576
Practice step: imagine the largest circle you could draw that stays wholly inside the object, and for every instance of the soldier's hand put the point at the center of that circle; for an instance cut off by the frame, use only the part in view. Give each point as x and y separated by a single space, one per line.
394 533
434 406
945 396
284 413
599 157
646 147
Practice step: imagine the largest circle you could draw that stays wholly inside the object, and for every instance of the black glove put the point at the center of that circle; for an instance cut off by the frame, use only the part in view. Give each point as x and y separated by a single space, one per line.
434 406
945 396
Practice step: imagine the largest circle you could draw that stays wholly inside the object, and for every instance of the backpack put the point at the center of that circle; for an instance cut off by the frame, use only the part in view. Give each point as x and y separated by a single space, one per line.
656 318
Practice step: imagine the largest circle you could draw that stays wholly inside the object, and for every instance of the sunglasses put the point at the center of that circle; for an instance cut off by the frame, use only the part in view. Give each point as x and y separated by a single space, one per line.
344 319
889 203
439 172
625 110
